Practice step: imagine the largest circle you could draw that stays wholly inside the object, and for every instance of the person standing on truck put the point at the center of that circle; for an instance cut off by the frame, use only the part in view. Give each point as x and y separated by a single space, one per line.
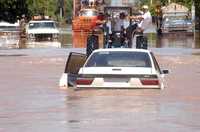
145 23
145 19
121 21
159 15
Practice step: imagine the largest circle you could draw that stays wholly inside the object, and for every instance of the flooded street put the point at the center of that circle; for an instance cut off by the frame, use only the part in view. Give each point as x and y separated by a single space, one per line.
32 101
121 90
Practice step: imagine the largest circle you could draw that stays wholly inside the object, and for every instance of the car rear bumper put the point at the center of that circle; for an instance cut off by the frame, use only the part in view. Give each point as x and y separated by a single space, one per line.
43 44
132 84
175 29
119 87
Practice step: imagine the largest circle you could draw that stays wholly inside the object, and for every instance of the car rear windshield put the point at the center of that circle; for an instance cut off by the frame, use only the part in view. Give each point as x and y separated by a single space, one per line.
119 59
88 13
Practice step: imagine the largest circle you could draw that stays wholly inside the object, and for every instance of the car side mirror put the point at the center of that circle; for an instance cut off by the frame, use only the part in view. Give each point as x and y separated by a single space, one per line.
165 71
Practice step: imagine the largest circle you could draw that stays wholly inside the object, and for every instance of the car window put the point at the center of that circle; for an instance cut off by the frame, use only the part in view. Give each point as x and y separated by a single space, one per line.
175 19
41 25
88 13
155 63
119 59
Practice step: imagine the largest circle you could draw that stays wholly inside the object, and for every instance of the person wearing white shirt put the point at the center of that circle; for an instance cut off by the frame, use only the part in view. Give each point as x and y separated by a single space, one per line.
145 18
121 21
142 28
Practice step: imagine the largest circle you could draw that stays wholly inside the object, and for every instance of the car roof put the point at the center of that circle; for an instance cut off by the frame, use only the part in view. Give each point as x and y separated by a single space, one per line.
7 24
123 49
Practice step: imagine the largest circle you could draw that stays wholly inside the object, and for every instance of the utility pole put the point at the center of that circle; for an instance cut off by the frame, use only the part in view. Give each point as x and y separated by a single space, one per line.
64 13
74 6
61 12
61 5
46 9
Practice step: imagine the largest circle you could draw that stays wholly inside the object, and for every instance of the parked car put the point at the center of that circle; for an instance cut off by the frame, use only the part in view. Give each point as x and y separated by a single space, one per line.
114 68
9 35
42 31
177 24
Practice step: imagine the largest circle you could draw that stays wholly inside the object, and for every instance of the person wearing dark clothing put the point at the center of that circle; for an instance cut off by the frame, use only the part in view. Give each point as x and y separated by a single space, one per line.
159 14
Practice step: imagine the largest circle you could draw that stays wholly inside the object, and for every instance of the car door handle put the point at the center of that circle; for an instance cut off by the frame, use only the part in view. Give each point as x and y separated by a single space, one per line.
116 69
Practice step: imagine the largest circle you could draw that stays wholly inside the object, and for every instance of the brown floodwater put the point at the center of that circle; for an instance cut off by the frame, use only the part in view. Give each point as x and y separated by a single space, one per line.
31 100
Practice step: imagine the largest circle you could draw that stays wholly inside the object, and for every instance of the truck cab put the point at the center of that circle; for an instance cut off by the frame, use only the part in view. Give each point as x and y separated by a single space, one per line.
86 20
43 31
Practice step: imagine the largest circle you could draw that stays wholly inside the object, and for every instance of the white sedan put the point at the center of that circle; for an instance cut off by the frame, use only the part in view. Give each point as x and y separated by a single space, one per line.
114 68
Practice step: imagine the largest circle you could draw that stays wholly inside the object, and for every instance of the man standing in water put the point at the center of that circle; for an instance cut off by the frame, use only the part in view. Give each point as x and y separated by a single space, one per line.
22 41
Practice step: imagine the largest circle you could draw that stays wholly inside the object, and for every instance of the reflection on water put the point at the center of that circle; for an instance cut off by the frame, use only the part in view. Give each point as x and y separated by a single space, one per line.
84 108
172 40
197 39
9 39
119 110
66 40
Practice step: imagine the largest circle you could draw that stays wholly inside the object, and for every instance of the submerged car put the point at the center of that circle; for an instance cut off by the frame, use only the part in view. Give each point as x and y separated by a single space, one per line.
113 68
43 31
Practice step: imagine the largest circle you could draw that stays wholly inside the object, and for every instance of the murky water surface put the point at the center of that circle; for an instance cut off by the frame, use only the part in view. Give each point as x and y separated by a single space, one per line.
172 40
31 100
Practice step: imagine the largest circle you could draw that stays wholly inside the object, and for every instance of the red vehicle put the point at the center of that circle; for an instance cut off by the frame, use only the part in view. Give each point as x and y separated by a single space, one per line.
86 21
83 25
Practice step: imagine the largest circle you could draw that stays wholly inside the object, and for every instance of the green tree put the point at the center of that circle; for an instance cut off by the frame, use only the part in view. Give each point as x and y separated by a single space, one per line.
187 3
42 7
69 7
197 13
11 10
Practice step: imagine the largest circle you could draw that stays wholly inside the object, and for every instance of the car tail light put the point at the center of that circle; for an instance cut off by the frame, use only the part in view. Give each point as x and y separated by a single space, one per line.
149 81
84 81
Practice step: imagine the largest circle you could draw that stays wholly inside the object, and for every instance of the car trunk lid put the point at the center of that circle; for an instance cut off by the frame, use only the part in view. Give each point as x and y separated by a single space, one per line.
115 70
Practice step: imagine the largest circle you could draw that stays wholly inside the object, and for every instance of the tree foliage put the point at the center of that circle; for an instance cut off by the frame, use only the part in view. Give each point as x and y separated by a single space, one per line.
187 3
197 13
11 10
42 7
69 7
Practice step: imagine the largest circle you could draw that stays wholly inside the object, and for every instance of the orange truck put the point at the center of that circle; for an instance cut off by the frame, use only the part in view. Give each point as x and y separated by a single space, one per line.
84 22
